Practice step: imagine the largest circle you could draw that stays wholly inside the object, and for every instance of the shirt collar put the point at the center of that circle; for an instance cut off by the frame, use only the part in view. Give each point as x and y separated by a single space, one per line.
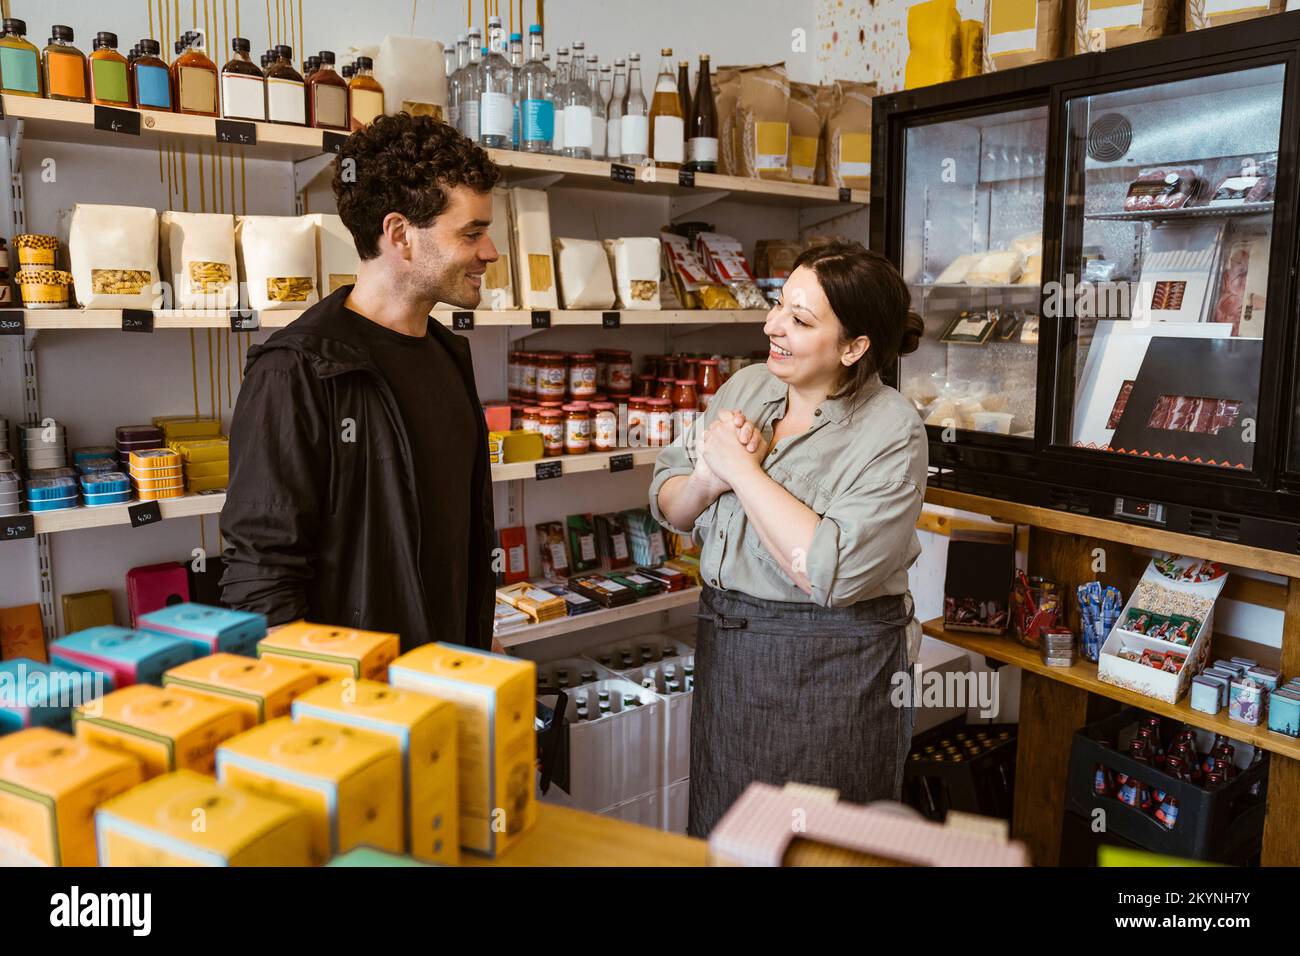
837 410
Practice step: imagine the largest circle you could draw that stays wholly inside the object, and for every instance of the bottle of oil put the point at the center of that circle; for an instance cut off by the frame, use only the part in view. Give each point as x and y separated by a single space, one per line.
196 79
243 86
327 95
109 85
20 61
149 78
366 93
65 67
285 91
667 124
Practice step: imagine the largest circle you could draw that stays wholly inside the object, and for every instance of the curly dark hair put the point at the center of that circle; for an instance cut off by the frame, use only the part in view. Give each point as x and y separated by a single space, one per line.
404 164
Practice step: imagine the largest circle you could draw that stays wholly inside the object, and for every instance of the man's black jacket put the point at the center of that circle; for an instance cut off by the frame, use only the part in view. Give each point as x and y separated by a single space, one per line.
322 519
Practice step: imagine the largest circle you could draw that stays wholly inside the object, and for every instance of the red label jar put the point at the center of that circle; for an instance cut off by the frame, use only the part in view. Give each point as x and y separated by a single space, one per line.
709 382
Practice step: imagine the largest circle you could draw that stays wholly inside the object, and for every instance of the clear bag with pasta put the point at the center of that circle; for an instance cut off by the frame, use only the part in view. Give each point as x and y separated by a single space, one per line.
277 258
113 251
198 252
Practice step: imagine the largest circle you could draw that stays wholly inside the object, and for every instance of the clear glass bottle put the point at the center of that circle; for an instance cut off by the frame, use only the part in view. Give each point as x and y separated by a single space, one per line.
559 95
469 88
537 112
599 111
667 124
577 108
614 112
497 93
243 86
366 95
286 98
449 70
454 79
20 61
109 84
149 78
635 136
196 79
702 130
327 95
516 68
65 67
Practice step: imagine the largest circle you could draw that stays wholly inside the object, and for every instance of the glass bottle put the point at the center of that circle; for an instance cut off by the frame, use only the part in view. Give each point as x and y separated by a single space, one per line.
497 94
196 79
449 70
614 112
516 69
469 87
559 96
20 61
635 136
684 87
366 95
149 78
285 90
599 111
310 66
108 79
243 86
347 71
667 124
454 80
577 108
65 67
174 70
702 131
537 112
327 95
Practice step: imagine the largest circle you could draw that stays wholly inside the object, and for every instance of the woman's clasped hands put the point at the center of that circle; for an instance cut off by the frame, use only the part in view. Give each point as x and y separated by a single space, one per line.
731 447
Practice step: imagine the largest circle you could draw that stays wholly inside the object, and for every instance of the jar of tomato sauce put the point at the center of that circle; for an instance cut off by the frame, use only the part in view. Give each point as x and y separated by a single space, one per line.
577 429
638 422
604 426
709 382
552 377
661 421
582 375
619 373
552 429
686 405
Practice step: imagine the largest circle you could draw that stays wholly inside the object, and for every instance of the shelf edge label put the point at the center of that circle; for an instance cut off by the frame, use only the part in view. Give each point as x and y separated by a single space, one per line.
17 527
620 462
237 132
620 173
611 320
13 321
541 319
114 120
331 142
544 470
846 194
145 513
245 321
686 177
137 320
462 321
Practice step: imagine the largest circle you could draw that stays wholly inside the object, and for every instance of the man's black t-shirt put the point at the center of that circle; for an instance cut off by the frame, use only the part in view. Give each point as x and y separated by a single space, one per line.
439 419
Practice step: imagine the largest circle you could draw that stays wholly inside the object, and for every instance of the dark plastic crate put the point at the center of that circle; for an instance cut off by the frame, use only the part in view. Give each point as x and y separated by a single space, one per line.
1224 825
983 783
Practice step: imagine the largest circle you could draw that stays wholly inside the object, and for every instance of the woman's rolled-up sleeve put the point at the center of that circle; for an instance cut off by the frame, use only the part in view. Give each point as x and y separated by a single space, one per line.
672 461
862 538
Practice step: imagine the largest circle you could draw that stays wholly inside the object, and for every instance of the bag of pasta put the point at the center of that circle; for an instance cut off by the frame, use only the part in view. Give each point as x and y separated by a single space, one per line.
113 251
198 254
277 258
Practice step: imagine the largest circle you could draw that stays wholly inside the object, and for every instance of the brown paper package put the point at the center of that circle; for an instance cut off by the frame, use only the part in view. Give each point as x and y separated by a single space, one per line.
1197 19
828 97
1055 26
764 98
1159 18
851 116
805 125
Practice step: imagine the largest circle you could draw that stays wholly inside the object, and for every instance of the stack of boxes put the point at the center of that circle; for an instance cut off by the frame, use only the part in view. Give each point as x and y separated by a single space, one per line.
204 451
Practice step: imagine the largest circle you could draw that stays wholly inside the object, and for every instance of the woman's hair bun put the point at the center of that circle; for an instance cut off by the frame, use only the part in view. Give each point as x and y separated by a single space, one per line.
912 334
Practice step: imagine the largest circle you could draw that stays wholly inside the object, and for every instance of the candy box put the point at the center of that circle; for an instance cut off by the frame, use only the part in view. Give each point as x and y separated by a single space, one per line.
209 629
260 689
1284 712
125 656
332 651
1245 701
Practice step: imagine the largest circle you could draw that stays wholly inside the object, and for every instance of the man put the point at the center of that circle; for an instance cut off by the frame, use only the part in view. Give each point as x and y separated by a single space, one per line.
360 491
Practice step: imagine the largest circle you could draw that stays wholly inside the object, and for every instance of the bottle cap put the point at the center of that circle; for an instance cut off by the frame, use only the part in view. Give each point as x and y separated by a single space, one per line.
494 21
365 63
14 25
516 36
106 39
61 32
327 56
534 28
240 45
284 50
150 47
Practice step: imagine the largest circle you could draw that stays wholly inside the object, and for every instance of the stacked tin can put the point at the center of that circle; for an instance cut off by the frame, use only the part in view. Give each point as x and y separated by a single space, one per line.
157 473
95 459
11 485
132 438
45 446
52 494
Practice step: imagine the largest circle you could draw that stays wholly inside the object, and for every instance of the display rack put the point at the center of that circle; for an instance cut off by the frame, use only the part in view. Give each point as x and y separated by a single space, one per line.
1054 701
1186 212
583 622
309 153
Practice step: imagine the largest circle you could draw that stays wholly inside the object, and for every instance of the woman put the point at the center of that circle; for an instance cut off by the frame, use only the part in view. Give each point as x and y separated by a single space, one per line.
803 483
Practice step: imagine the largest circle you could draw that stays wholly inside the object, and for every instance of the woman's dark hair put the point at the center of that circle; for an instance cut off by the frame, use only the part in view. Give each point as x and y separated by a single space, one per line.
404 164
869 298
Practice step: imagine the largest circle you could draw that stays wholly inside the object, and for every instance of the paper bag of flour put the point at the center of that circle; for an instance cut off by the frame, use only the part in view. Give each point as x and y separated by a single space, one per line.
762 129
636 271
277 258
113 251
198 256
532 244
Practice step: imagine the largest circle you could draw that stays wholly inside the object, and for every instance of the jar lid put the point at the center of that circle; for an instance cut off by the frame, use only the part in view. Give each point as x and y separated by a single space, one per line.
686 381
658 401
44 277
551 413
581 356
550 356
647 375
576 407
621 353
533 410
665 378
708 361
30 240
546 405
602 406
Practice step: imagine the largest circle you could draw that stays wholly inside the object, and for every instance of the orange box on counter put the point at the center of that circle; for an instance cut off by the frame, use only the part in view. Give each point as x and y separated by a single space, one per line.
333 651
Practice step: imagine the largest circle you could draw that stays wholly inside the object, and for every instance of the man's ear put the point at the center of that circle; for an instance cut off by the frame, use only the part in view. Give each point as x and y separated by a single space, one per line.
855 350
396 233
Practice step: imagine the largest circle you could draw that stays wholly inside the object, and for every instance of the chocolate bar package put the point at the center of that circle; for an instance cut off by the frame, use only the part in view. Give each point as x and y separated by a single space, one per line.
552 543
602 590
977 584
611 542
156 586
643 585
582 543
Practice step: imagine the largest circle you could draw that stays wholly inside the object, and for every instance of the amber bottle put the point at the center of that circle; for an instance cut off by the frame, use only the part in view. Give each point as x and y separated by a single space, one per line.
327 95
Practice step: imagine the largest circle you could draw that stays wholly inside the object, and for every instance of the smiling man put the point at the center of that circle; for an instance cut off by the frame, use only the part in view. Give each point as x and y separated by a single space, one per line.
359 483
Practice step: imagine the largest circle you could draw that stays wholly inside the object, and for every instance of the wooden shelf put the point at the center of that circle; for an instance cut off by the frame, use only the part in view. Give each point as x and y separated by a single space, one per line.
573 464
1083 675
111 319
103 516
56 120
583 622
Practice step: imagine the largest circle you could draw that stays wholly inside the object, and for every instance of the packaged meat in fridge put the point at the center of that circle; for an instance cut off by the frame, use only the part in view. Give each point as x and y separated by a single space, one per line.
1160 415
1163 188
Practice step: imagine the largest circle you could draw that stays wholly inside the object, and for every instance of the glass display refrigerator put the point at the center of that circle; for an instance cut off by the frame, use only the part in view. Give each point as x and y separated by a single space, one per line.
1102 249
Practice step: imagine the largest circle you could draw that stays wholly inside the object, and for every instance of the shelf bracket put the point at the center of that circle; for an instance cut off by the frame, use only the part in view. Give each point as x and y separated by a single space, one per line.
681 205
306 171
811 216
543 181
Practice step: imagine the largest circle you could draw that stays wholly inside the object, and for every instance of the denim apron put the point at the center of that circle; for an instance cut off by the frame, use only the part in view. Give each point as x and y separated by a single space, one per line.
792 692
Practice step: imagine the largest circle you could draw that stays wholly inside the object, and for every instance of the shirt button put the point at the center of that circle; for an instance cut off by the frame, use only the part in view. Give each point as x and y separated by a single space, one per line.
721 535
818 412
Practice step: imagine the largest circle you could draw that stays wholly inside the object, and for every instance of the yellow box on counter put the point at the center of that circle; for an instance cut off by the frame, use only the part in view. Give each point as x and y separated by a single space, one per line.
207 469
164 729
50 784
333 651
507 447
261 689
349 781
215 483
202 450
187 819
497 742
183 427
425 729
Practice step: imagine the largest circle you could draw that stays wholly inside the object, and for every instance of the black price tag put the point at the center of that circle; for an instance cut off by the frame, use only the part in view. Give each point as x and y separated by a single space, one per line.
332 142
620 462
462 321
611 320
548 469
13 321
17 527
114 120
541 320
620 173
145 513
846 194
245 321
233 131
686 177
137 320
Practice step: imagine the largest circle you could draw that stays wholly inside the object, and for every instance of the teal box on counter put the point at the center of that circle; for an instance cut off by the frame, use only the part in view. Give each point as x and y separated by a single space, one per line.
1284 712
211 630
33 694
126 656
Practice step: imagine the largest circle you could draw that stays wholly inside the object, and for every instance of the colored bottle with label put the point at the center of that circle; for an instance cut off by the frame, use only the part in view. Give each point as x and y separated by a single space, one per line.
108 80
65 67
327 95
243 87
20 61
285 91
196 79
150 79
366 94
